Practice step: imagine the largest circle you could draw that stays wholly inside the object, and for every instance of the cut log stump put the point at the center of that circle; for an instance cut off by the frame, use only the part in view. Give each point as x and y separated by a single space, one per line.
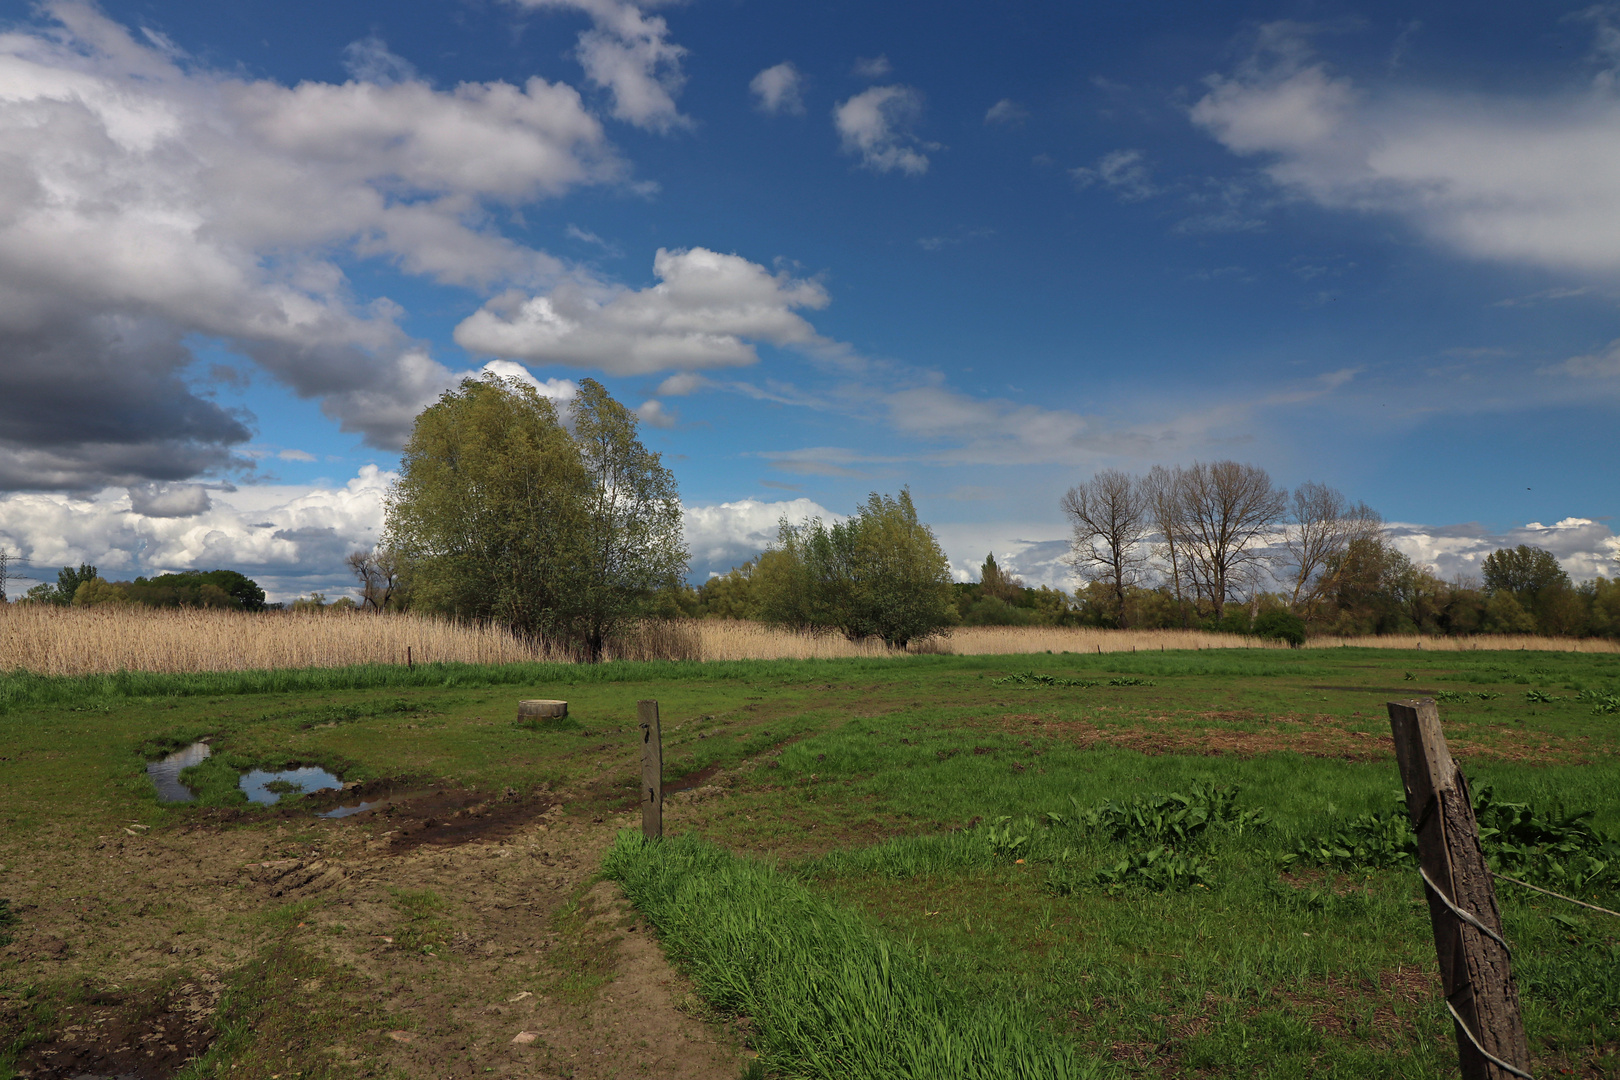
542 709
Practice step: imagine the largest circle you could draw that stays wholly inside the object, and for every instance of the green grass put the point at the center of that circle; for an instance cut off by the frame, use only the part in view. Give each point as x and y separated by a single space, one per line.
1260 974
863 778
828 996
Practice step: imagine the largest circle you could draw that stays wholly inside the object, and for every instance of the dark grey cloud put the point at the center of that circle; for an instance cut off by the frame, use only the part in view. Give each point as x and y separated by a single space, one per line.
88 401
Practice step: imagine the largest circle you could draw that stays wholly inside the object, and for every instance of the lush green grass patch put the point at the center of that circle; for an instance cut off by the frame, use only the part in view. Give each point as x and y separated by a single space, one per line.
828 996
1059 898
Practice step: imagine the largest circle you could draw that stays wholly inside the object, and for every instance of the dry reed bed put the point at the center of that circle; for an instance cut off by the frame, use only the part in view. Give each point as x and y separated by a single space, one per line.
49 640
1470 643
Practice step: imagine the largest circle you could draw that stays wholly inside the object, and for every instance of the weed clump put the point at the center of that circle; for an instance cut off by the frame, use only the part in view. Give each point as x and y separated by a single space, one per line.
1159 869
1546 846
1036 678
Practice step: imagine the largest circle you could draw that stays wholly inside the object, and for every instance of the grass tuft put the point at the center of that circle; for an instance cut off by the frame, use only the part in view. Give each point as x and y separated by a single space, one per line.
828 996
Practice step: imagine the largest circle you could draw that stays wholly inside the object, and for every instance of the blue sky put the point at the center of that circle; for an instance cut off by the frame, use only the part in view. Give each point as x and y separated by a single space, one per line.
979 250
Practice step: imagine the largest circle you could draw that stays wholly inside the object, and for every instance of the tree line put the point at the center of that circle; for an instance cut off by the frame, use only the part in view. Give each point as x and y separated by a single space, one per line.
83 586
1213 546
566 528
1176 547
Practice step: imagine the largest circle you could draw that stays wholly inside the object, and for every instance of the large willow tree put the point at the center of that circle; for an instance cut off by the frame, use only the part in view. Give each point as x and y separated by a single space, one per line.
501 513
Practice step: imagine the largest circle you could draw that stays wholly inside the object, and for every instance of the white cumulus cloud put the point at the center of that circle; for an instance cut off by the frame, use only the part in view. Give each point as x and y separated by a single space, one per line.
369 60
628 53
876 125
1585 548
707 311
1530 179
288 539
779 89
146 200
652 412
726 534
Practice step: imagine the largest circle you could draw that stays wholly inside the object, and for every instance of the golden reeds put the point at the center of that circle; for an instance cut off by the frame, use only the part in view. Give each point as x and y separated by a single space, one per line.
49 640
1470 643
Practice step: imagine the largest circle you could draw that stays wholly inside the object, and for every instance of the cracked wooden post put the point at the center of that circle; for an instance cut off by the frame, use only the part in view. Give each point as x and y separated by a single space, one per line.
652 771
1474 972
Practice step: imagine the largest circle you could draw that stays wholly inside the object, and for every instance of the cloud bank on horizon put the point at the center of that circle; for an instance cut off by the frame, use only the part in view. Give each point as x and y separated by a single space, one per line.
223 281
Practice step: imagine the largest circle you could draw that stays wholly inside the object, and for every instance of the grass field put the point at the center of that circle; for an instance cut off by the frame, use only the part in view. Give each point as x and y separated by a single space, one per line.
928 814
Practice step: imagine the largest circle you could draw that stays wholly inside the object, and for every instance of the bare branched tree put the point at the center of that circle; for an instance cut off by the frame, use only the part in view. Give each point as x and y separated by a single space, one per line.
378 573
1227 513
1111 518
1164 509
1323 527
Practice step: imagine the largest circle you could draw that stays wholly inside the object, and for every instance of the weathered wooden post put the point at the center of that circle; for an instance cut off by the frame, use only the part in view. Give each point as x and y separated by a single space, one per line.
1474 972
652 771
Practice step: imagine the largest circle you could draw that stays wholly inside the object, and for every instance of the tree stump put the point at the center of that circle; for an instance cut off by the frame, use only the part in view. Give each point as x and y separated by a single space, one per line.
542 709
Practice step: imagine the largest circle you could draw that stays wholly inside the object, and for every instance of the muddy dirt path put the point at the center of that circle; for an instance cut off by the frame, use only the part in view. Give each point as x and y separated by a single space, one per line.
461 934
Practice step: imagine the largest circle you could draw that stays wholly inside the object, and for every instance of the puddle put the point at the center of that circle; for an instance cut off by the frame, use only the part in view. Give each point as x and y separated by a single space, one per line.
345 811
165 774
256 784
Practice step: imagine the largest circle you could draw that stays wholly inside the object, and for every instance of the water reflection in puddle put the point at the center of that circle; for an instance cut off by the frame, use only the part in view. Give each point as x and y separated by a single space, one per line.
255 785
345 811
165 774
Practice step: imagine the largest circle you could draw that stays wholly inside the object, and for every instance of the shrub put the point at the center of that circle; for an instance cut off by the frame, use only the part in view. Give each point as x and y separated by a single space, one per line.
1280 625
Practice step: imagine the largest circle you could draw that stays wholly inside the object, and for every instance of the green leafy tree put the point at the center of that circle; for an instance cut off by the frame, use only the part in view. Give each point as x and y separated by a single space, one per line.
68 581
1524 571
1538 585
1602 598
198 588
730 595
488 511
1373 585
995 583
98 592
1280 624
632 528
499 513
1505 615
880 574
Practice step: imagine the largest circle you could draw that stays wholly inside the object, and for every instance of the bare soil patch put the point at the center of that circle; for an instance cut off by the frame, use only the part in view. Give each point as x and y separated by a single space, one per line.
461 929
147 1033
1320 735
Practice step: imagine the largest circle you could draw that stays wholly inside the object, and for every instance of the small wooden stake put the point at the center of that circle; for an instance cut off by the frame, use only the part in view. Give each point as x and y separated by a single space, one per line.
652 771
1474 972
408 662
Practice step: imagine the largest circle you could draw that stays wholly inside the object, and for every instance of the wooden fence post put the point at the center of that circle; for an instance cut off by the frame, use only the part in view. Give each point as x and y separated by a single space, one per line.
652 771
1474 973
